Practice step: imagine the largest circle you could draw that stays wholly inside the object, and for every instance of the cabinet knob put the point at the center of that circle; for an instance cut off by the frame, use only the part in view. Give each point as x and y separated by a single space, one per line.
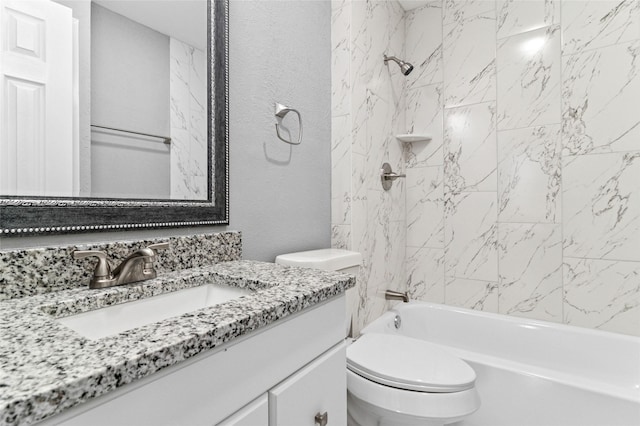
322 419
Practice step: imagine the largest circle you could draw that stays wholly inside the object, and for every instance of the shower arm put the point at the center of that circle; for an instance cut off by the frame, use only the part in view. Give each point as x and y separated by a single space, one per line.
405 67
391 58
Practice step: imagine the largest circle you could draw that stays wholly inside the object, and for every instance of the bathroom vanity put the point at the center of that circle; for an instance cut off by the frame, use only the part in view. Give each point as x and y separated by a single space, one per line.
272 356
287 374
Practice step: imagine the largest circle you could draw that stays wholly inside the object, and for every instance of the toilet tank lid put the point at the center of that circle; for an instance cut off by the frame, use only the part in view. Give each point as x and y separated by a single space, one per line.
326 259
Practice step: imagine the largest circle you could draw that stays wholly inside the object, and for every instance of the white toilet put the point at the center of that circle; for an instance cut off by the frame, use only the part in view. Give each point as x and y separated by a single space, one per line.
395 380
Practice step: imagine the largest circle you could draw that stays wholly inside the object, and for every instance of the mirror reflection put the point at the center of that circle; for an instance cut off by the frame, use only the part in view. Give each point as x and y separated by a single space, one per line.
104 99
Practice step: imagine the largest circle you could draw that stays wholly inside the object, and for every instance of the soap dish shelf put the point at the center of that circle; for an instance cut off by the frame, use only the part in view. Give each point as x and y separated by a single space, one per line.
413 137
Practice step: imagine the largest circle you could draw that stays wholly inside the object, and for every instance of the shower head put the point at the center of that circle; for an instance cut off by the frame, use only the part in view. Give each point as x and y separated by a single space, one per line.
405 67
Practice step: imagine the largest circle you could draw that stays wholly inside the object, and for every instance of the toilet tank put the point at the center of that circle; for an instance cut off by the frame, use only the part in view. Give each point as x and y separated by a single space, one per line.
327 259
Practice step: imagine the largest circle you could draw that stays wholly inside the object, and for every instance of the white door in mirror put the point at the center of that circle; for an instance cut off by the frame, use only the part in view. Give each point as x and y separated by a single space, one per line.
37 147
127 316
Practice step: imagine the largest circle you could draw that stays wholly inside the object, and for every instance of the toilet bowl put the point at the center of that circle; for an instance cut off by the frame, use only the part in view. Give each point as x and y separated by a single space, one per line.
401 381
395 380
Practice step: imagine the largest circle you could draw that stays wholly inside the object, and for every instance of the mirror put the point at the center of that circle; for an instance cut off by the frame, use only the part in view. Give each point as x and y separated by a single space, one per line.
131 132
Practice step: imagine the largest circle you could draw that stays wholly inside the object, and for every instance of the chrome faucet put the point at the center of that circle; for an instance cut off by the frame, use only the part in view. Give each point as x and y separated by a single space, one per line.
396 295
138 266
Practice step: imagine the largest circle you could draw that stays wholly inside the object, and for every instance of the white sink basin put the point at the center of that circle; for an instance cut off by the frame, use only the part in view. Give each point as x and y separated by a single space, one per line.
126 316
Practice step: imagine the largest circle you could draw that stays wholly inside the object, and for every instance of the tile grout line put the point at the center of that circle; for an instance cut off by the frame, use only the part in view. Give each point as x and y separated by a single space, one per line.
593 49
562 210
528 127
600 259
497 200
442 125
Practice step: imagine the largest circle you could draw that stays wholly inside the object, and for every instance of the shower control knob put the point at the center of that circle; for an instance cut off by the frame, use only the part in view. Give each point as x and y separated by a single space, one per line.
387 176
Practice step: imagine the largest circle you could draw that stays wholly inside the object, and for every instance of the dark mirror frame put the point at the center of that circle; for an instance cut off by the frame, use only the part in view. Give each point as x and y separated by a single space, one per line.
45 216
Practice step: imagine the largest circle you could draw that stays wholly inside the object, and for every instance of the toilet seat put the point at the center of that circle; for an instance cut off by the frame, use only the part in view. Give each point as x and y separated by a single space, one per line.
393 379
387 402
410 364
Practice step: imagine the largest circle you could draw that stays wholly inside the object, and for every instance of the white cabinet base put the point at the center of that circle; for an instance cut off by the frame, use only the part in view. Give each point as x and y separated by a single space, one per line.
212 386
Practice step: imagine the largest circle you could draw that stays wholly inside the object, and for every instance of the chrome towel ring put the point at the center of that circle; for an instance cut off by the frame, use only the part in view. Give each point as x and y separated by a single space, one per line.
280 112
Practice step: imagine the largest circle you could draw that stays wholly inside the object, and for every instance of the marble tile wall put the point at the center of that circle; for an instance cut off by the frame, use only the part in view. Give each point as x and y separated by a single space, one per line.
367 112
188 118
526 202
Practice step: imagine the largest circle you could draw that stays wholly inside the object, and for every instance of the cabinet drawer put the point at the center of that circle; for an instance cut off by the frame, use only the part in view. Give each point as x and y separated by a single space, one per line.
318 388
255 413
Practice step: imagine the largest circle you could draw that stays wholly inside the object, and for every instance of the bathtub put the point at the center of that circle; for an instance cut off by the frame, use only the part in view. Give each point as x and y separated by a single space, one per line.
529 372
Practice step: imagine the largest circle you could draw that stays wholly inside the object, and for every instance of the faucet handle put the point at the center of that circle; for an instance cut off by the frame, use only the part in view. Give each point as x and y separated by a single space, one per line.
102 275
159 246
148 265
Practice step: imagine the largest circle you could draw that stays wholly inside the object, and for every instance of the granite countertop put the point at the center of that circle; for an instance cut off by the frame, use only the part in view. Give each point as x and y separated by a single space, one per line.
46 367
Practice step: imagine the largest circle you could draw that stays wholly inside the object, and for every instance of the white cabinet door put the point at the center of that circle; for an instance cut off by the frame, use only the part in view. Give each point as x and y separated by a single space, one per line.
255 413
318 388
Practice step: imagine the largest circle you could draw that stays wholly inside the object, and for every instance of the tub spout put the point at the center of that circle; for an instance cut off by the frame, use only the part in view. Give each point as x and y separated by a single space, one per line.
396 295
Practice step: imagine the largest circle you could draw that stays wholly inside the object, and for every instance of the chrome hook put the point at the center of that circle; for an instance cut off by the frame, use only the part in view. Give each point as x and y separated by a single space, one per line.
280 112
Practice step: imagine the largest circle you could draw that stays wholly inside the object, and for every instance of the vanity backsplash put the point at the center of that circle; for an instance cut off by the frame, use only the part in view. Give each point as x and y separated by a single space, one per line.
27 272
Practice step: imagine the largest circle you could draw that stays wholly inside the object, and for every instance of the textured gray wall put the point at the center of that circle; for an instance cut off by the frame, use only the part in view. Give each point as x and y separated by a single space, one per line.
129 91
280 195
129 74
